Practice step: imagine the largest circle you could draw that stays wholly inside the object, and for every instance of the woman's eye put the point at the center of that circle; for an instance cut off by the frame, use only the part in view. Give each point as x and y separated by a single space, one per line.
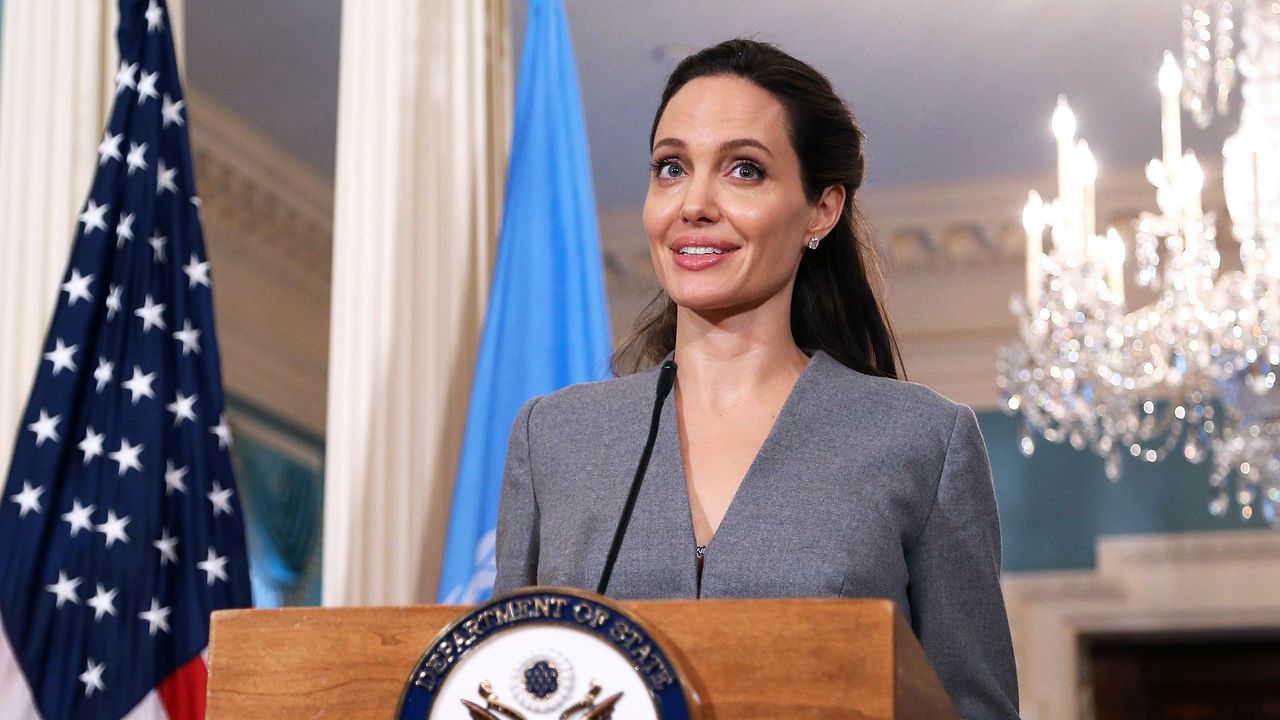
747 170
667 169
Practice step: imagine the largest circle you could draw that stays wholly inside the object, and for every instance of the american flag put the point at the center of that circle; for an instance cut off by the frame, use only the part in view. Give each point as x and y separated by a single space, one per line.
120 526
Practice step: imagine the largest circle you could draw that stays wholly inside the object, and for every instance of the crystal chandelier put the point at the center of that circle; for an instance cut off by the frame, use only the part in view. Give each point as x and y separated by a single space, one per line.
1193 371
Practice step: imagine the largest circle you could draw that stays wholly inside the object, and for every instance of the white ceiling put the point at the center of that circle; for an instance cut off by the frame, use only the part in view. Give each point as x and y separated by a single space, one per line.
945 90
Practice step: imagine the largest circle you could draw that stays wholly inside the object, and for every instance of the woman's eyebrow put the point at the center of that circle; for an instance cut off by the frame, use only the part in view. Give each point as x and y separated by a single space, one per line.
725 146
744 142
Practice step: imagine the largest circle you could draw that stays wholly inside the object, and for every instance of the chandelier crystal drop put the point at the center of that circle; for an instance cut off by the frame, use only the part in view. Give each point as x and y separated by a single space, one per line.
1192 372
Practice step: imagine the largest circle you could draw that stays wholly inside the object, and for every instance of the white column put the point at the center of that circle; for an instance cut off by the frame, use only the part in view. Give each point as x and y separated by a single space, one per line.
56 66
423 123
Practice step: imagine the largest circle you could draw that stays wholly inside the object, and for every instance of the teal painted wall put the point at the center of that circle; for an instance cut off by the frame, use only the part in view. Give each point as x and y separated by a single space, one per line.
1057 503
283 500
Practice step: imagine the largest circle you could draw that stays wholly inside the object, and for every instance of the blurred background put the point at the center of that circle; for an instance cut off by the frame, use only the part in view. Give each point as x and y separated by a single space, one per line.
955 102
1120 591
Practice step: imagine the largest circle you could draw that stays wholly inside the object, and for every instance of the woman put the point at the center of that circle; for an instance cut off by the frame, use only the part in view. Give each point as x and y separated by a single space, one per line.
789 461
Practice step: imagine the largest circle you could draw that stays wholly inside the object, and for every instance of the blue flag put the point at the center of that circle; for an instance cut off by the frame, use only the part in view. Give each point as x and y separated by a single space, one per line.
120 526
547 324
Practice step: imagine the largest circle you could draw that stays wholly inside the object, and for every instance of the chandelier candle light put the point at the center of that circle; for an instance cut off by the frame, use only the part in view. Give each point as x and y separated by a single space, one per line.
1193 371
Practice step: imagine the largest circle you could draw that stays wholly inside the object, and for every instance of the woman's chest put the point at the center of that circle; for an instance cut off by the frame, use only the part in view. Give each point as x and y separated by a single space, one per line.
717 450
802 523
797 544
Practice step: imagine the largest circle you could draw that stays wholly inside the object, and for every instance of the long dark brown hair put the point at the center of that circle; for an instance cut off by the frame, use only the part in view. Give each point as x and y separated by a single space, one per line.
835 306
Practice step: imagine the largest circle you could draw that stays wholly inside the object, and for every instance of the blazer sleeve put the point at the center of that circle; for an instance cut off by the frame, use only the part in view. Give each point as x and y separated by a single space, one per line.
517 534
957 608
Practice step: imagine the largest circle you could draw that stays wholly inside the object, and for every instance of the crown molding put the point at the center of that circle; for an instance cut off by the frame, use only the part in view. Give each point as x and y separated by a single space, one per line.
268 222
249 182
979 223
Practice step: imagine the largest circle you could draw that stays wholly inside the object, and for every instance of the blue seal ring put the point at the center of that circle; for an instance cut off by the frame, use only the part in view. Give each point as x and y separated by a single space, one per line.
672 695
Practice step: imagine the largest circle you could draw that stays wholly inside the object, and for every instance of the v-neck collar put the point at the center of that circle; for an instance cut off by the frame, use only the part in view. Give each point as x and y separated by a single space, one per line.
671 458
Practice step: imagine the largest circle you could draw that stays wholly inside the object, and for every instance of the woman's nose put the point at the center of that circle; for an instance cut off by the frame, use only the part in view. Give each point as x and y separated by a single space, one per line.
699 202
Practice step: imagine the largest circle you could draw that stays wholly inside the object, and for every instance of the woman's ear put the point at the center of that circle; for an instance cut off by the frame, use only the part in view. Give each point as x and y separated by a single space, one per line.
826 213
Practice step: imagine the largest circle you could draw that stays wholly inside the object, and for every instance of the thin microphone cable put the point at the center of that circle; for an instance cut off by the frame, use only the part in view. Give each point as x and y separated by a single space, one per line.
666 380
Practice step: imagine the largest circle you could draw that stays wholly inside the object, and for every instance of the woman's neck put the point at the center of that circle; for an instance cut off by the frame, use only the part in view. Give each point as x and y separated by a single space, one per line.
725 360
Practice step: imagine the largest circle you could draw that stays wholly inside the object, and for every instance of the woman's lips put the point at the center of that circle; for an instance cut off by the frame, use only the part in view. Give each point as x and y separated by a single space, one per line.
702 261
695 251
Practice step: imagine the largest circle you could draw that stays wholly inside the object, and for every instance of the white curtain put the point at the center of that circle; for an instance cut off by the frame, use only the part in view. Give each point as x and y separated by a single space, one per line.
56 64
423 126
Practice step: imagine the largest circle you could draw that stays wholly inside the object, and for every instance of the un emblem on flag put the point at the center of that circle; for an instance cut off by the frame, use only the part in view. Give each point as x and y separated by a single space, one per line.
546 653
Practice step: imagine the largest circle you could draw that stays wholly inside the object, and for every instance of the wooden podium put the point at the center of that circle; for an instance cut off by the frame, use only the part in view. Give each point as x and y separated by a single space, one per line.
754 659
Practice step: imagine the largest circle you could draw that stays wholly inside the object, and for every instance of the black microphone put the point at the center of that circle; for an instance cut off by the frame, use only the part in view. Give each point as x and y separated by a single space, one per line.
666 380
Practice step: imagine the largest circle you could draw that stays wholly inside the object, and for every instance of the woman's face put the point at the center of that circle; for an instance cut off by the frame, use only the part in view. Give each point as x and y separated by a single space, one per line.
726 212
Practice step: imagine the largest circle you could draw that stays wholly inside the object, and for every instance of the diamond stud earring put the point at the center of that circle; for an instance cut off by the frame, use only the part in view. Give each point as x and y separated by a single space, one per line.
813 242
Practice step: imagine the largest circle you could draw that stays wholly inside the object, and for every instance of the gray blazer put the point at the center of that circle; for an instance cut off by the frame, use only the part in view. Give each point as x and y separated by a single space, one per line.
865 487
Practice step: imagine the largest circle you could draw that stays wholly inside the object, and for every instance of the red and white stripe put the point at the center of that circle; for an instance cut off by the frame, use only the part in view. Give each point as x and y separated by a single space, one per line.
179 697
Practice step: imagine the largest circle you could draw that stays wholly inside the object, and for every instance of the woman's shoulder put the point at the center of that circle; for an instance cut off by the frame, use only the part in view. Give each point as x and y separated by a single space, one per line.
889 400
598 401
891 424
